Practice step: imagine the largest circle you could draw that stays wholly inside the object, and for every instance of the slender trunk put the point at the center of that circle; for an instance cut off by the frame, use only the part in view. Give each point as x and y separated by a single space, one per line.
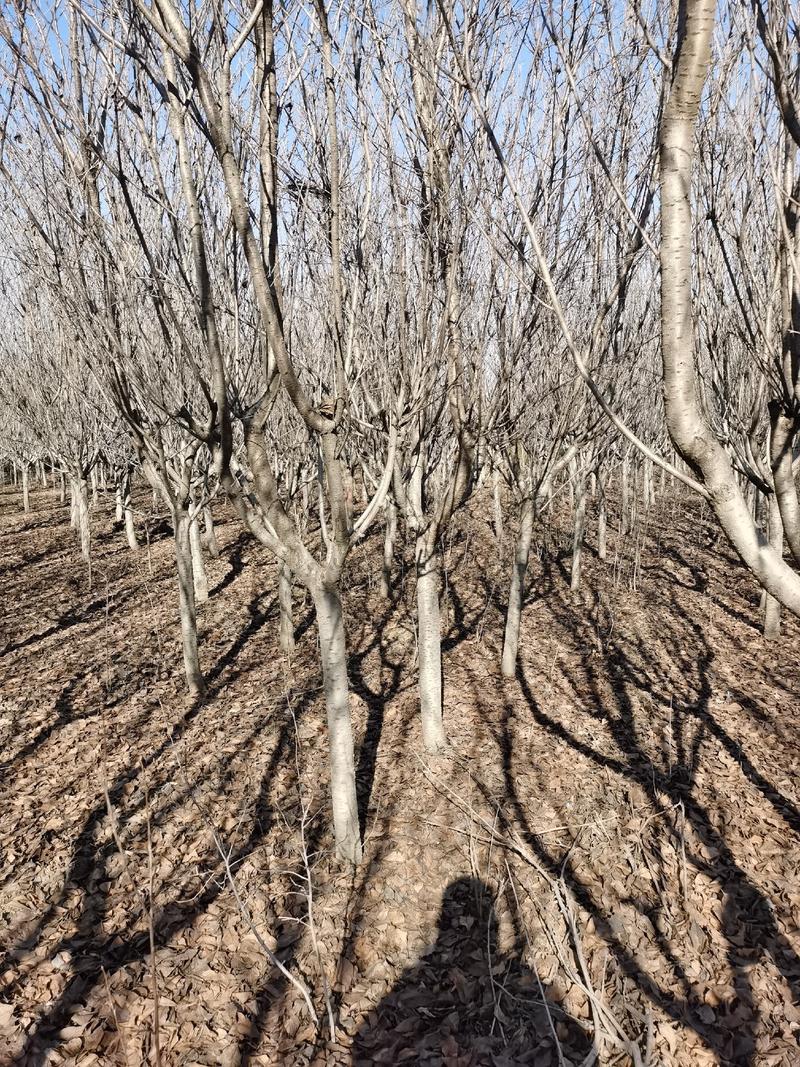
93 477
62 488
429 643
285 604
340 729
388 548
497 508
625 496
602 519
198 566
210 533
130 524
42 474
516 594
84 526
772 607
183 559
74 490
26 501
578 533
119 509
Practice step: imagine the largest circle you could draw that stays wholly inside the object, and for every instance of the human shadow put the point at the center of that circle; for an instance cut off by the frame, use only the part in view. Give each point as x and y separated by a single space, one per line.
467 998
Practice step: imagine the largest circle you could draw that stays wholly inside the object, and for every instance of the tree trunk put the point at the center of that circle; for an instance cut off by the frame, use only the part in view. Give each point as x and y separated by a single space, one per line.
130 524
390 534
340 730
62 488
772 607
783 432
119 508
625 497
93 477
429 644
578 532
285 604
26 500
687 424
198 566
210 533
602 519
84 525
183 559
82 522
74 490
497 506
516 594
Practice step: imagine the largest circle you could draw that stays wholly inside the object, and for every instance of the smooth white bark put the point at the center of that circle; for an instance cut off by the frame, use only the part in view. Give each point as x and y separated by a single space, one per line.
578 531
516 594
340 730
198 565
429 645
686 421
186 604
285 605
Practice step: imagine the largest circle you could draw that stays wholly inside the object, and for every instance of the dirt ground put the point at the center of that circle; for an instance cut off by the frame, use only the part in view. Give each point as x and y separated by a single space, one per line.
604 864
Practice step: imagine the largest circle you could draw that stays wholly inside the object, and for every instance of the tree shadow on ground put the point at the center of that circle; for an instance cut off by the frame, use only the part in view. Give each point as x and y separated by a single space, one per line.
466 998
74 617
612 688
97 949
236 560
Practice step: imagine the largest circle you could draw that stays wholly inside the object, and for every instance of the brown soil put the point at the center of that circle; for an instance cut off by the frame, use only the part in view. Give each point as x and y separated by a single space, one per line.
622 816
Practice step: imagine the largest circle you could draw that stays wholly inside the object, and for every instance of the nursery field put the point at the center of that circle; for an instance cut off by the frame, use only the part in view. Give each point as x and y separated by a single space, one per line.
601 867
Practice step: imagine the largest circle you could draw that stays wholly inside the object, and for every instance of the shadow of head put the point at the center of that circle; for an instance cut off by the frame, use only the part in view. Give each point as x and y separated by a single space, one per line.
466 1001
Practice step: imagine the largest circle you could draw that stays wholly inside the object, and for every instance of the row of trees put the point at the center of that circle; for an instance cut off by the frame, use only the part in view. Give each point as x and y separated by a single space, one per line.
357 259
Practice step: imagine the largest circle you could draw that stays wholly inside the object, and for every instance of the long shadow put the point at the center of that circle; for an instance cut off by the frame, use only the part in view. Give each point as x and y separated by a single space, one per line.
70 618
376 701
95 951
748 921
700 580
92 948
449 1002
236 560
176 733
257 619
747 905
27 561
65 714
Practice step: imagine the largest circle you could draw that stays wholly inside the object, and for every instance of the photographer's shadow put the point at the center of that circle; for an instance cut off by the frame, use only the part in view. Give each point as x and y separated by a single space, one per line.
466 1002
